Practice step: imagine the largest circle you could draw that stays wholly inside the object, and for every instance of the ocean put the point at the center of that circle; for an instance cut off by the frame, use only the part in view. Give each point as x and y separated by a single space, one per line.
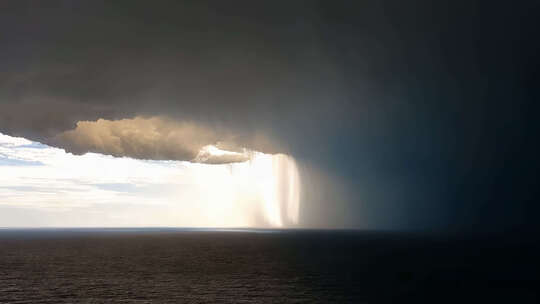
162 265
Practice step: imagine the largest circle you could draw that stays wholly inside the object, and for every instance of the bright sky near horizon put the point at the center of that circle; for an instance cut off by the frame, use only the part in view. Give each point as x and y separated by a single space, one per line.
45 186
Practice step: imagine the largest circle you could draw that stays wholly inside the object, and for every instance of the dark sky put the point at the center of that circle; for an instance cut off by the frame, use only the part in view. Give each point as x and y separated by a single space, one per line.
402 114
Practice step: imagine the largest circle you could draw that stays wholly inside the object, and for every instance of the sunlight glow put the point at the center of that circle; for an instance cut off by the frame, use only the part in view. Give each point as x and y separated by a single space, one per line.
99 190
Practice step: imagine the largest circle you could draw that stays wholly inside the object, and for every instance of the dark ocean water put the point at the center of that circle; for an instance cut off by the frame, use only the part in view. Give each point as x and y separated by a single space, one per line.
262 266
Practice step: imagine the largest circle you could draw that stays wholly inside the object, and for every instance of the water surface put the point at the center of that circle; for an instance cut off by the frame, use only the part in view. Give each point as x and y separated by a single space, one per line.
161 265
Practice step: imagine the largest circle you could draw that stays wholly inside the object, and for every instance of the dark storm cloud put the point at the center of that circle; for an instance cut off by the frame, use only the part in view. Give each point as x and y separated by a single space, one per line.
421 109
219 65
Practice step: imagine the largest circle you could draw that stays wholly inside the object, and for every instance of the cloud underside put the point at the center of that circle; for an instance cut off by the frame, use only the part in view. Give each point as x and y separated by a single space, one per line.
155 138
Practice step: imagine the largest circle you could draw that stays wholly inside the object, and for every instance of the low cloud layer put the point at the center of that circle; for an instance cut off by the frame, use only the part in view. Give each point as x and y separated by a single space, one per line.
154 138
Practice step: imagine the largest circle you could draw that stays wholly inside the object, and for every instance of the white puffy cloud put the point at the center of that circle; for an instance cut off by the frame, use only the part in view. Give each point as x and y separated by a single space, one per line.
154 138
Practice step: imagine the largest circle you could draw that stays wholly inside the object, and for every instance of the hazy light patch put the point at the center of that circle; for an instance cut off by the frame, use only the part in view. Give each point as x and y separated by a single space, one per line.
100 190
211 154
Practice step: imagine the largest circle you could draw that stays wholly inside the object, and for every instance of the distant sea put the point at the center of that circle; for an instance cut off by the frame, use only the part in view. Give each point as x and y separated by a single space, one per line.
262 266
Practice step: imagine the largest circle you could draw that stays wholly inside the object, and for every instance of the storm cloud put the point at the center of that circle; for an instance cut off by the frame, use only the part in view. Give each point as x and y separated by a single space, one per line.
422 111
